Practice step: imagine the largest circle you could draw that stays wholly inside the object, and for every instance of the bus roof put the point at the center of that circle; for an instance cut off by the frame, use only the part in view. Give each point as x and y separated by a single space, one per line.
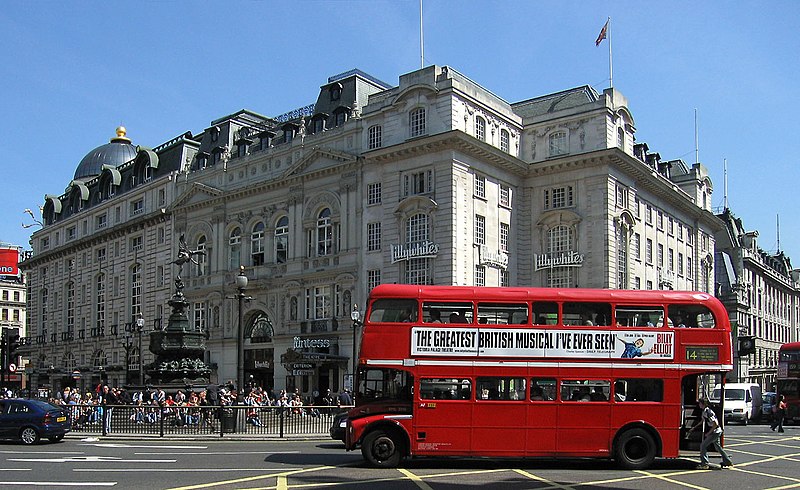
790 346
468 293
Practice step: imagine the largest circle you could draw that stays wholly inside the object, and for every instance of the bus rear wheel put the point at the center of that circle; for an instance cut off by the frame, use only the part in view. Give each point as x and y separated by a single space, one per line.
635 449
381 450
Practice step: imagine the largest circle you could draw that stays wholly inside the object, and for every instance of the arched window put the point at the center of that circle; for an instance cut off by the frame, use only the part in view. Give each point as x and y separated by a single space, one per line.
558 143
621 138
257 244
416 122
417 270
281 240
560 240
234 249
200 268
480 128
417 229
324 233
504 141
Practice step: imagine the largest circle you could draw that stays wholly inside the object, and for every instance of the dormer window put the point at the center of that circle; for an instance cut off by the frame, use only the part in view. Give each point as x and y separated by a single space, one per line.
318 125
214 134
202 160
335 91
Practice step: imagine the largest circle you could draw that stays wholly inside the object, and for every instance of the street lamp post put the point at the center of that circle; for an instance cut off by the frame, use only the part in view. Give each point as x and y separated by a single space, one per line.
355 315
241 284
128 345
139 328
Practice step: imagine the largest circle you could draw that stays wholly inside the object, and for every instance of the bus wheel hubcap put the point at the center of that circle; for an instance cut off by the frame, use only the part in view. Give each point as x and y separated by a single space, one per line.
383 448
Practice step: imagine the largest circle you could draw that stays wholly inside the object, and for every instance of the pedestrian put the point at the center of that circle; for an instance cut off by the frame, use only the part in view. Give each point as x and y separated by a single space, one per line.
711 436
345 399
778 414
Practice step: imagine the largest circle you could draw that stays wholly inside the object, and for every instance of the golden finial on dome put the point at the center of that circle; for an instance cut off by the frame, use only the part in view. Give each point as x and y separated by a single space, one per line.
121 138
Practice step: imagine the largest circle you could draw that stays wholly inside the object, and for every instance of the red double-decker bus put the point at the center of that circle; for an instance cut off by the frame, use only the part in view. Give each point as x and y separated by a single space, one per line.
534 372
789 379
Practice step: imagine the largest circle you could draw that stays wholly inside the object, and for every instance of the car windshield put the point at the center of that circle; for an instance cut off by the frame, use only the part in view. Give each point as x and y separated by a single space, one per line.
730 395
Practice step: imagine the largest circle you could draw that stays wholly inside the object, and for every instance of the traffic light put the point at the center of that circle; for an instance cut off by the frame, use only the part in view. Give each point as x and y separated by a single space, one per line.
747 345
13 343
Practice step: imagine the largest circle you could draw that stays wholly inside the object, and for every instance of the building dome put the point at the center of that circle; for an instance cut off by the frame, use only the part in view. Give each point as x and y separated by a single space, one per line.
118 151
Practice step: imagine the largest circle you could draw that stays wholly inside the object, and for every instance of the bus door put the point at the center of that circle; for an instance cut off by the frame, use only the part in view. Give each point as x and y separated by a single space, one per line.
442 419
499 416
584 417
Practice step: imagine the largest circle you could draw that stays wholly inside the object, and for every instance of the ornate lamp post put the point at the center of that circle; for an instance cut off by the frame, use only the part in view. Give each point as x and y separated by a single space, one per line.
241 284
139 328
355 315
128 345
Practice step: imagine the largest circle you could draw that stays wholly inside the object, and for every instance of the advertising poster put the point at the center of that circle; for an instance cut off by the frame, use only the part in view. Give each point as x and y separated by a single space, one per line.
9 258
542 343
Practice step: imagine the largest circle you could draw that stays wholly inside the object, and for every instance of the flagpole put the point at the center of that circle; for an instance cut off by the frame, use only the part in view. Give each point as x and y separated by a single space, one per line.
610 64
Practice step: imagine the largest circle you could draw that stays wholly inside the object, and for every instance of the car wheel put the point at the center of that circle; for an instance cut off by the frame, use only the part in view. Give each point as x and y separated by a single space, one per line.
29 435
746 419
635 449
56 438
381 450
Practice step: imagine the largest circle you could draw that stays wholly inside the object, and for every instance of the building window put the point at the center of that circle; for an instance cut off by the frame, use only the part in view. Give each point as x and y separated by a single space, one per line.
671 226
70 297
480 186
636 244
136 290
101 221
622 258
637 283
200 267
101 254
480 275
660 256
162 197
680 264
137 207
680 231
559 197
505 196
375 137
622 196
504 141
671 260
505 229
374 193
558 143
373 279
257 244
161 235
416 183
318 303
324 233
373 236
621 139
71 233
136 243
281 240
689 236
480 229
504 278
660 223
689 267
649 285
417 229
648 255
416 122
559 240
200 316
480 128
340 118
417 271
234 248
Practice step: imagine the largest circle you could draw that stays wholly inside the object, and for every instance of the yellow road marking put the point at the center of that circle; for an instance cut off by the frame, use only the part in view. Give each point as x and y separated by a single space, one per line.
540 479
671 480
250 478
416 479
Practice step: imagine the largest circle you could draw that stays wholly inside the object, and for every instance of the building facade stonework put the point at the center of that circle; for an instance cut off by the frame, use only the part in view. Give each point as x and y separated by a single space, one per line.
434 181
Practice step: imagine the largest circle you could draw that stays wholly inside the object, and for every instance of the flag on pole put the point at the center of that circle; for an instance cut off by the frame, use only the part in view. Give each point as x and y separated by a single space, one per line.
602 34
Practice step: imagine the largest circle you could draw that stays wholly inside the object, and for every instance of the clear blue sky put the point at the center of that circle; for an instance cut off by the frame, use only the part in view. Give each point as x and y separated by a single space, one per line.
71 72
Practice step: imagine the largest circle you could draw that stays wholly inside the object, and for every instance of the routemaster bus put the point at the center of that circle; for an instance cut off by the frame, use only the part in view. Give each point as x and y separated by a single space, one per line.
789 379
534 372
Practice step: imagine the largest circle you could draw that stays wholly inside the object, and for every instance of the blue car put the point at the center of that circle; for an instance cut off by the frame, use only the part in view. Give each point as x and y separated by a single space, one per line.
32 420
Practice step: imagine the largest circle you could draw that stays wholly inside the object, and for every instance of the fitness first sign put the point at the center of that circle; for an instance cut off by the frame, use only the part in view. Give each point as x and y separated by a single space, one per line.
529 342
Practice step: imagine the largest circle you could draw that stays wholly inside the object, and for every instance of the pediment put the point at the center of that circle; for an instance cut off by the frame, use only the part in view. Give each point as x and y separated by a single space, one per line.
319 160
196 194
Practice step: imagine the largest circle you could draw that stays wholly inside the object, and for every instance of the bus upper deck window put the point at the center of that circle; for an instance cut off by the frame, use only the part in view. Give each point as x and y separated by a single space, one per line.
446 312
690 316
393 310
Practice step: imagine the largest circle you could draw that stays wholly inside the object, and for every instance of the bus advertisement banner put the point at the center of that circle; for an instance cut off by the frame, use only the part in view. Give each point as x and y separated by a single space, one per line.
507 342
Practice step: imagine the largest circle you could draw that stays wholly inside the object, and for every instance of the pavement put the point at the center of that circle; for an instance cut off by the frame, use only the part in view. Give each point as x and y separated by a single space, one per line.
78 435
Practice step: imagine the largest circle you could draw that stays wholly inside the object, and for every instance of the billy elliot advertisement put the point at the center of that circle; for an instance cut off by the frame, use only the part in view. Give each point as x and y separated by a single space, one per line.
506 342
9 260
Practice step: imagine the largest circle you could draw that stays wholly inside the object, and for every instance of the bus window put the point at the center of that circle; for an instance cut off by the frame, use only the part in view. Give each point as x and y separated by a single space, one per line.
639 316
393 310
543 389
545 313
586 313
638 390
449 312
383 384
585 390
445 389
501 388
502 314
690 316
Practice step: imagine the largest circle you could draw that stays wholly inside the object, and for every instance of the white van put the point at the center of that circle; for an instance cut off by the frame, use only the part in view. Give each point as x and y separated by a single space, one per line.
742 401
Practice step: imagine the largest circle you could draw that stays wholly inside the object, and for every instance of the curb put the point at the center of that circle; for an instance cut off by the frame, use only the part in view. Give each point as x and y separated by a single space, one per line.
81 436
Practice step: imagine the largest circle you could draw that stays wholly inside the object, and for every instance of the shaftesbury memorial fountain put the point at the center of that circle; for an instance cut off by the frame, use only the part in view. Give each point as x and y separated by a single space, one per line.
179 348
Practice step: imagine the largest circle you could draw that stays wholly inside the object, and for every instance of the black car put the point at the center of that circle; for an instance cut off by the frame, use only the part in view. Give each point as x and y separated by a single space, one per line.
339 426
31 420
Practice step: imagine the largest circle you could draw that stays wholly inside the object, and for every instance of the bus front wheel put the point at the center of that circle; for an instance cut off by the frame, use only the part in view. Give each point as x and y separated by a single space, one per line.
381 450
635 449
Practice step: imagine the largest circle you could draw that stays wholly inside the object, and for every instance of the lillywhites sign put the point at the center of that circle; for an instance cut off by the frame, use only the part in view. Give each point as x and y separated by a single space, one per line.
563 259
527 342
493 258
419 250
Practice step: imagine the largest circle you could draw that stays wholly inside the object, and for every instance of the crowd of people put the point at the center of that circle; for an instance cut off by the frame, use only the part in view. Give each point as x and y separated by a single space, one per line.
189 407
